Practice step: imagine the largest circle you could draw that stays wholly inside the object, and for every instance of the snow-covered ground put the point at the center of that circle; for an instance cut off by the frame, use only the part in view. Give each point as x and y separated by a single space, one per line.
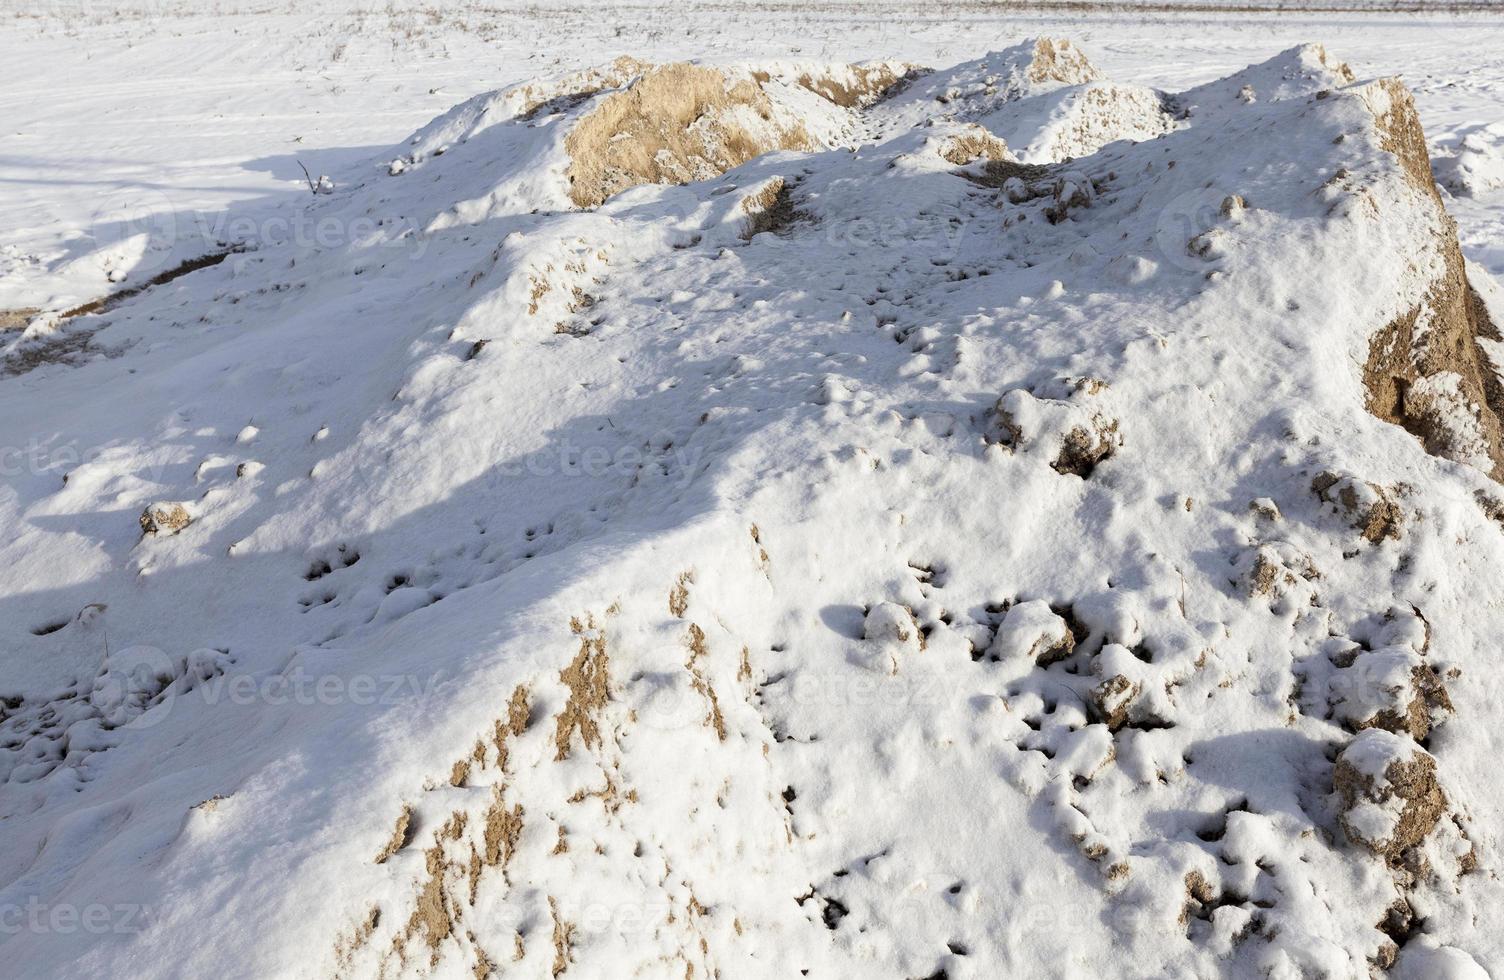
116 118
971 539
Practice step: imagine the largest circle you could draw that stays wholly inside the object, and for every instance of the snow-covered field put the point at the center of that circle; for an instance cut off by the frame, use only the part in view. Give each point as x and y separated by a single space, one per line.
1034 515
115 118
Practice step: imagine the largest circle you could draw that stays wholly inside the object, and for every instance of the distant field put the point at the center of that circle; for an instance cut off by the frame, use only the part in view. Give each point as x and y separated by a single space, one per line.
133 9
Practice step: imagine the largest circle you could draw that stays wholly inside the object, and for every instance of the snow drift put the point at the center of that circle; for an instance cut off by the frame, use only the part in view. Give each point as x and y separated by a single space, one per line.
816 520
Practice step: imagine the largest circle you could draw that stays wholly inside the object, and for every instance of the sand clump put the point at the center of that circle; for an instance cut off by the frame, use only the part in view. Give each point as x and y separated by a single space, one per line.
434 916
974 143
1112 699
1370 509
1060 422
674 124
1058 60
1033 631
16 319
858 86
563 938
165 518
715 720
1390 797
1279 571
401 834
1393 689
502 832
678 596
586 678
771 209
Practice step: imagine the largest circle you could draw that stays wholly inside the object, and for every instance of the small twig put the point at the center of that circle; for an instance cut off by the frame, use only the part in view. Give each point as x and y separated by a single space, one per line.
312 188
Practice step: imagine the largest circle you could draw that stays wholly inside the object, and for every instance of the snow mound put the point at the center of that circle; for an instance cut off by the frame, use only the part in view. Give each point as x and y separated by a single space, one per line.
1080 120
1431 961
1043 97
882 555
1475 168
1300 71
631 123
976 87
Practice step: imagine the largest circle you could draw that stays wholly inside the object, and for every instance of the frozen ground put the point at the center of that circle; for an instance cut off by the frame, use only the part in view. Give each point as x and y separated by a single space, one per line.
905 555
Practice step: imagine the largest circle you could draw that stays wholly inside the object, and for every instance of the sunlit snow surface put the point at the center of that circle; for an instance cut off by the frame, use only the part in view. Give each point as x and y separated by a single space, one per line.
657 599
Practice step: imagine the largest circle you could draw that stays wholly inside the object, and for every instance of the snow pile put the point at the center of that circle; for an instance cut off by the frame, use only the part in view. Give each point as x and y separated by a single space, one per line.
593 133
1476 166
910 559
1043 97
1292 74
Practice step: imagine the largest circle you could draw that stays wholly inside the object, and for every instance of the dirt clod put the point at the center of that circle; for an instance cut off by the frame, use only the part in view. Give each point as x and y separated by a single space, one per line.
165 518
1369 508
771 209
503 830
401 835
1391 799
1112 699
586 678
